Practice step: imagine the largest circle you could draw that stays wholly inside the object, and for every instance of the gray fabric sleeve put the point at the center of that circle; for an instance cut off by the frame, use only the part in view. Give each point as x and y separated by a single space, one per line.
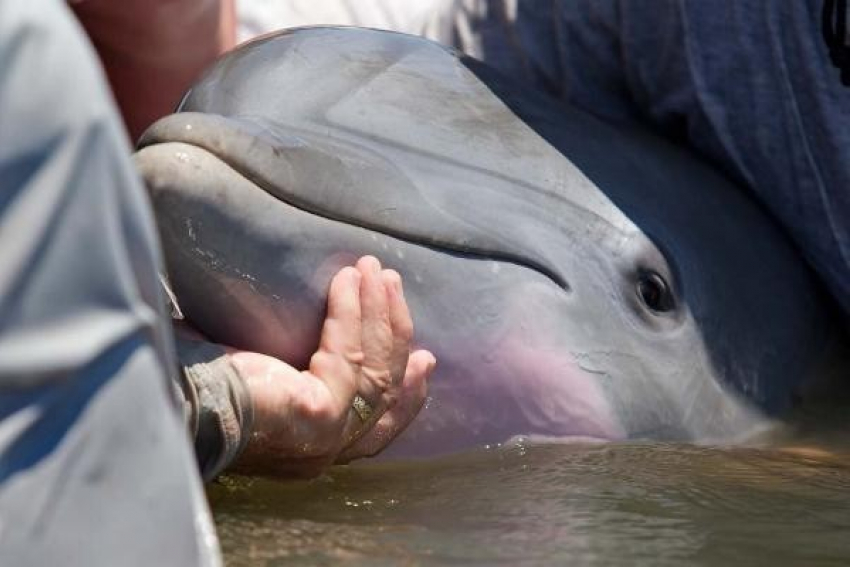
217 405
95 464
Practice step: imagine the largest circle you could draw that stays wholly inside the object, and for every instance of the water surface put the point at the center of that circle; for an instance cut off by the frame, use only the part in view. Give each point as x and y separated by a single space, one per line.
620 504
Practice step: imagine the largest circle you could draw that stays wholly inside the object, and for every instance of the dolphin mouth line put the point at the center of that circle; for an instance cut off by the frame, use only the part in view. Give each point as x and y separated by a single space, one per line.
479 253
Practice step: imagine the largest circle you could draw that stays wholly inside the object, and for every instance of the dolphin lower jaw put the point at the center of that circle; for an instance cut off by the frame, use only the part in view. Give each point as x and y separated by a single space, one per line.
496 388
682 407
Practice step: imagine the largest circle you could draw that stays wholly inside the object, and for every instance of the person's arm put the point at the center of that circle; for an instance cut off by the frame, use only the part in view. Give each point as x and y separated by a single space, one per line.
153 50
258 415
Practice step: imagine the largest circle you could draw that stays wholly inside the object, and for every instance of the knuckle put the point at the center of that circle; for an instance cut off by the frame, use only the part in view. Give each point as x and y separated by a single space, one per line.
316 409
316 360
354 357
381 378
331 363
320 360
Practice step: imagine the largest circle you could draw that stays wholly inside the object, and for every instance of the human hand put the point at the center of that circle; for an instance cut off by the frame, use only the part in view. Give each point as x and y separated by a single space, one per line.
304 420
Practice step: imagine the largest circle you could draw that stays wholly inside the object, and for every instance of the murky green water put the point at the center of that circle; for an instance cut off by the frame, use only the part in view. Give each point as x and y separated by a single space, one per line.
633 504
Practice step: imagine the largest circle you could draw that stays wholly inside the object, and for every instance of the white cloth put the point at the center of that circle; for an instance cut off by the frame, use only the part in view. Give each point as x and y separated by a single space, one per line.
421 17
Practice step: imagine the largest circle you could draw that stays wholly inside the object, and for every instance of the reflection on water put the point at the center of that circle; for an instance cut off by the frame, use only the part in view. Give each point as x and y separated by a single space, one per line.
628 504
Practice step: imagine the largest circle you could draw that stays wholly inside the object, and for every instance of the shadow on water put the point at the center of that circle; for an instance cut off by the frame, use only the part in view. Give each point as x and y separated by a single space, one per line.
629 504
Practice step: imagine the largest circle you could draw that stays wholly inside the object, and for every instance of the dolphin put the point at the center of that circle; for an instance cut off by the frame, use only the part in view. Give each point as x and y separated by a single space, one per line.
576 279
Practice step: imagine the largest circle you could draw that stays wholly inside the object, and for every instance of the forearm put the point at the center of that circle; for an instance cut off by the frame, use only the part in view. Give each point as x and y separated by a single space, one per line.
153 50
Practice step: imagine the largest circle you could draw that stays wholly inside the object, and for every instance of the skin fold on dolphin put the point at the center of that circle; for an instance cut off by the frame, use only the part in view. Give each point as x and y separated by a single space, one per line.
575 279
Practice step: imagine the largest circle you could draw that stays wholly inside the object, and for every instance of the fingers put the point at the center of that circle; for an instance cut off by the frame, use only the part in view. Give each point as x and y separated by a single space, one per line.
307 419
364 345
401 324
411 396
375 381
387 330
337 362
376 332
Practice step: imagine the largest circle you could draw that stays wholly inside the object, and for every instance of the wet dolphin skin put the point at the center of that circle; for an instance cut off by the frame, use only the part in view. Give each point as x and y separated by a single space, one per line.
574 278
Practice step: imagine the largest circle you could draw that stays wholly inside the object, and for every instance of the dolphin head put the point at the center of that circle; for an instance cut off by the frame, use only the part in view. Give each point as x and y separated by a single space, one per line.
574 278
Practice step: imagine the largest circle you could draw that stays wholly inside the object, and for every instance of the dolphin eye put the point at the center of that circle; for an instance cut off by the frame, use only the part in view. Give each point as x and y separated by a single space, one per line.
654 292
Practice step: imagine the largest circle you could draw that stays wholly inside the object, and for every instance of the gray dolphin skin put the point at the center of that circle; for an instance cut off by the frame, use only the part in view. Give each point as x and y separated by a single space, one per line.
575 279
